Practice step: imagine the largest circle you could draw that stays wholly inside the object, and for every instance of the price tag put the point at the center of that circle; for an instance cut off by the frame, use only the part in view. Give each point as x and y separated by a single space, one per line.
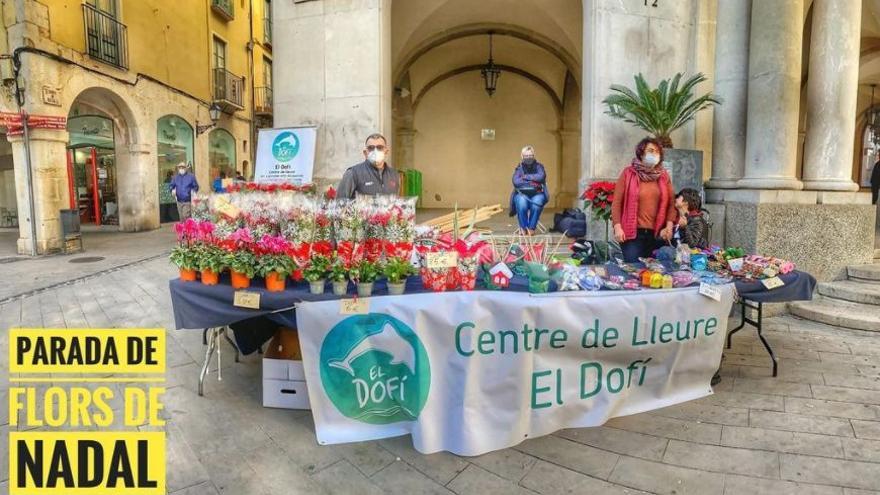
246 299
772 283
356 306
446 259
710 291
736 264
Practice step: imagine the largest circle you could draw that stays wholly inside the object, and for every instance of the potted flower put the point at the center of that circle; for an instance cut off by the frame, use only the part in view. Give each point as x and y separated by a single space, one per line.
364 272
186 257
397 270
338 274
242 266
316 273
275 267
212 262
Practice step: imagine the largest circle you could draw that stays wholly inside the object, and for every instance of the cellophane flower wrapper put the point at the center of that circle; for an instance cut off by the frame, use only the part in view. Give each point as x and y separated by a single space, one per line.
201 208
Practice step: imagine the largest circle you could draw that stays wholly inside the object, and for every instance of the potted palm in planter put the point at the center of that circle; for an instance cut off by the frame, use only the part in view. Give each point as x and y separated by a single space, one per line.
316 273
212 262
186 257
660 111
242 266
275 268
338 274
397 270
364 273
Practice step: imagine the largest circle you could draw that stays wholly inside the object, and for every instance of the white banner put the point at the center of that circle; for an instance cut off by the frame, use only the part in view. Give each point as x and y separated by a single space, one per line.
472 372
286 155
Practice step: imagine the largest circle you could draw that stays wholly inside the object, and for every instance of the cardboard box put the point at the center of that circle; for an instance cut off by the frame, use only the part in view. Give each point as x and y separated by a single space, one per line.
284 384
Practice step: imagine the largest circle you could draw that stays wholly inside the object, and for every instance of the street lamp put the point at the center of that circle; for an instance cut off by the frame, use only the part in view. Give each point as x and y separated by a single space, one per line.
214 113
490 71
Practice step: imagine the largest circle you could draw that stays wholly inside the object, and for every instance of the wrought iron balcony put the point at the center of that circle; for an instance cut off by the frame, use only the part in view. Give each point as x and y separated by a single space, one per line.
224 8
267 31
106 37
263 100
228 90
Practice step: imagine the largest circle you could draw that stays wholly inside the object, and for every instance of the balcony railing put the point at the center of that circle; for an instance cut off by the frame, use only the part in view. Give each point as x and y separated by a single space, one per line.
263 100
267 31
106 37
228 90
224 8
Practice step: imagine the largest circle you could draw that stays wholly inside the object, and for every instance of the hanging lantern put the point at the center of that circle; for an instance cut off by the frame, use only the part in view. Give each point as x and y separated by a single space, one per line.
490 72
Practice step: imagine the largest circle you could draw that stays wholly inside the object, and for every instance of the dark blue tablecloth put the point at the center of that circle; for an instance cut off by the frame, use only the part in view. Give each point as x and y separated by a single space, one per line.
198 306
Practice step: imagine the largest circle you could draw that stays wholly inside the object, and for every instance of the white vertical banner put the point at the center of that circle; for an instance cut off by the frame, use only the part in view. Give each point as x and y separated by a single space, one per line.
286 155
472 372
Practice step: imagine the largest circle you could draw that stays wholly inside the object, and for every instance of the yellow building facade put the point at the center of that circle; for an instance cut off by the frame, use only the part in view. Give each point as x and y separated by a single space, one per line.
144 85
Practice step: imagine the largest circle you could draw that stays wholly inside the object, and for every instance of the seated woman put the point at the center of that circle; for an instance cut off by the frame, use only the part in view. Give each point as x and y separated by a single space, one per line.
643 208
693 229
529 191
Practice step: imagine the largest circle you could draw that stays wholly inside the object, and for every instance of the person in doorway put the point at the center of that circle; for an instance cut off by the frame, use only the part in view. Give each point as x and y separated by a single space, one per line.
166 199
692 228
218 183
182 186
529 193
875 183
372 176
643 209
239 177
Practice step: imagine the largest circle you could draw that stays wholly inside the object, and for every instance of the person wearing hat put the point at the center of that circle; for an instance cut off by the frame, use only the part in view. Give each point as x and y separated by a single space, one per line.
182 186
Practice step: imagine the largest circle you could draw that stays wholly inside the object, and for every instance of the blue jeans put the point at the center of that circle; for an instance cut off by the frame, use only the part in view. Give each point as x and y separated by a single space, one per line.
528 210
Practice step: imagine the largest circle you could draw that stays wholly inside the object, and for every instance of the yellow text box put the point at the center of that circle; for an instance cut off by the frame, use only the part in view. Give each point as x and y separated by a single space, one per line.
110 350
114 462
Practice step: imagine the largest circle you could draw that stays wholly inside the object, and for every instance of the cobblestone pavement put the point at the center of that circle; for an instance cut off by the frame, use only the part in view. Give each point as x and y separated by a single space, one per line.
813 430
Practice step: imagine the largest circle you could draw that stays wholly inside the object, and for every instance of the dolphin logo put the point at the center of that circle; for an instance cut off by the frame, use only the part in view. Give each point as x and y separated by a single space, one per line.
387 341
289 140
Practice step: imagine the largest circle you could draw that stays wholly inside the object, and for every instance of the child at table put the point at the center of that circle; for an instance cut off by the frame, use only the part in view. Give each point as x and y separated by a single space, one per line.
692 228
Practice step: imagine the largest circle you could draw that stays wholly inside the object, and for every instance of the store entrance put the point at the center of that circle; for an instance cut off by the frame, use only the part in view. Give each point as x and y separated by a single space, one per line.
91 173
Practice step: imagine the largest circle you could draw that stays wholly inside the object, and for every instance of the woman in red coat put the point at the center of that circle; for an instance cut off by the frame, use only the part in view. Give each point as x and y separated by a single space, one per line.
643 209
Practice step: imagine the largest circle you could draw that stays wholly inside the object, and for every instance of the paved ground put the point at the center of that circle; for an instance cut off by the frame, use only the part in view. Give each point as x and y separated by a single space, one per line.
813 430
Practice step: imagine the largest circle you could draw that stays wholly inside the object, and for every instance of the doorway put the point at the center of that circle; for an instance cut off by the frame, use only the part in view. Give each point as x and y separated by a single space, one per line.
91 173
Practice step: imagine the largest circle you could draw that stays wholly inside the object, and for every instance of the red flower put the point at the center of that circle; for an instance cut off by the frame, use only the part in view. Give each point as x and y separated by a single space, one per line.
330 193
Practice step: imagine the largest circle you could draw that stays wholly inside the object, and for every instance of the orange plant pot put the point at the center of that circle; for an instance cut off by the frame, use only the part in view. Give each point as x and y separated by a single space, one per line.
275 282
210 278
240 280
187 275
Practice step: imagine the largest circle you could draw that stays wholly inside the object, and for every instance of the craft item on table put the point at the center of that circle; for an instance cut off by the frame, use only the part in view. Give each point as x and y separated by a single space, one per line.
653 265
588 279
667 281
539 277
631 284
614 282
683 254
666 253
683 278
645 277
584 251
499 276
568 278
656 280
699 262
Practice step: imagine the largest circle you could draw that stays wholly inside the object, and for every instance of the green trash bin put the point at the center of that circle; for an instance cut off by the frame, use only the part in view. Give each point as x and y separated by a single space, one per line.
413 184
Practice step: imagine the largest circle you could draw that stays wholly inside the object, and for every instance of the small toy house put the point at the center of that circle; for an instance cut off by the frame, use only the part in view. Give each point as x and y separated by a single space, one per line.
501 275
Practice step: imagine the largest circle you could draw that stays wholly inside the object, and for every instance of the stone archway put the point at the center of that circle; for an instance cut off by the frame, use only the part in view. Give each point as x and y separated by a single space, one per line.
137 202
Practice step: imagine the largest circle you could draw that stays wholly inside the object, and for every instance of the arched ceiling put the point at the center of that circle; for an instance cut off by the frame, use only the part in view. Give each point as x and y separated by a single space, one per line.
474 50
414 21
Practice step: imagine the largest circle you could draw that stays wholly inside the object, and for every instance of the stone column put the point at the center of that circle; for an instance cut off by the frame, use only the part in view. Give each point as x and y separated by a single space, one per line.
49 169
831 95
731 84
137 187
336 75
775 41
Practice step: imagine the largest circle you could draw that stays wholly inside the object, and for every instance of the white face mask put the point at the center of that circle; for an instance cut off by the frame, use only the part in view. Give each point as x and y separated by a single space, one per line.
376 157
181 171
651 159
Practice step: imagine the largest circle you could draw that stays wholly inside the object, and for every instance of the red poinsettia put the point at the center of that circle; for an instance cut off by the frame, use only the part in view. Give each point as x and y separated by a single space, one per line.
598 198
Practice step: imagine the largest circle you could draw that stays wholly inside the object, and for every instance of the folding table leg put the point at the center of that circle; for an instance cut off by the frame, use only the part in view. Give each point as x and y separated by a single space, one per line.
213 335
232 343
759 326
742 322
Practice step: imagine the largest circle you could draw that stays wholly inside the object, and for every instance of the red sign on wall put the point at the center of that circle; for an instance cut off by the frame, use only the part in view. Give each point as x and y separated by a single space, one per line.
12 122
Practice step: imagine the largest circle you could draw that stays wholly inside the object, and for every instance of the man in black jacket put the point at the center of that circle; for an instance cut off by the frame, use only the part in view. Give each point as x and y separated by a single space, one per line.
875 183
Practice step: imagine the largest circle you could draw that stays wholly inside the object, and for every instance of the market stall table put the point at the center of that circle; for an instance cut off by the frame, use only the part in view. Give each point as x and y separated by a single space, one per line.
210 308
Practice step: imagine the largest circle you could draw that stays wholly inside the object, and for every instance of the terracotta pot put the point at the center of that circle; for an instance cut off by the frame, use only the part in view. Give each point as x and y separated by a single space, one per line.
187 275
210 278
317 287
340 287
275 282
240 280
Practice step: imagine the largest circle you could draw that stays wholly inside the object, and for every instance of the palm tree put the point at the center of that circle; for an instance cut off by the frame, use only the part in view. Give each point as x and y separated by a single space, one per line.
659 111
